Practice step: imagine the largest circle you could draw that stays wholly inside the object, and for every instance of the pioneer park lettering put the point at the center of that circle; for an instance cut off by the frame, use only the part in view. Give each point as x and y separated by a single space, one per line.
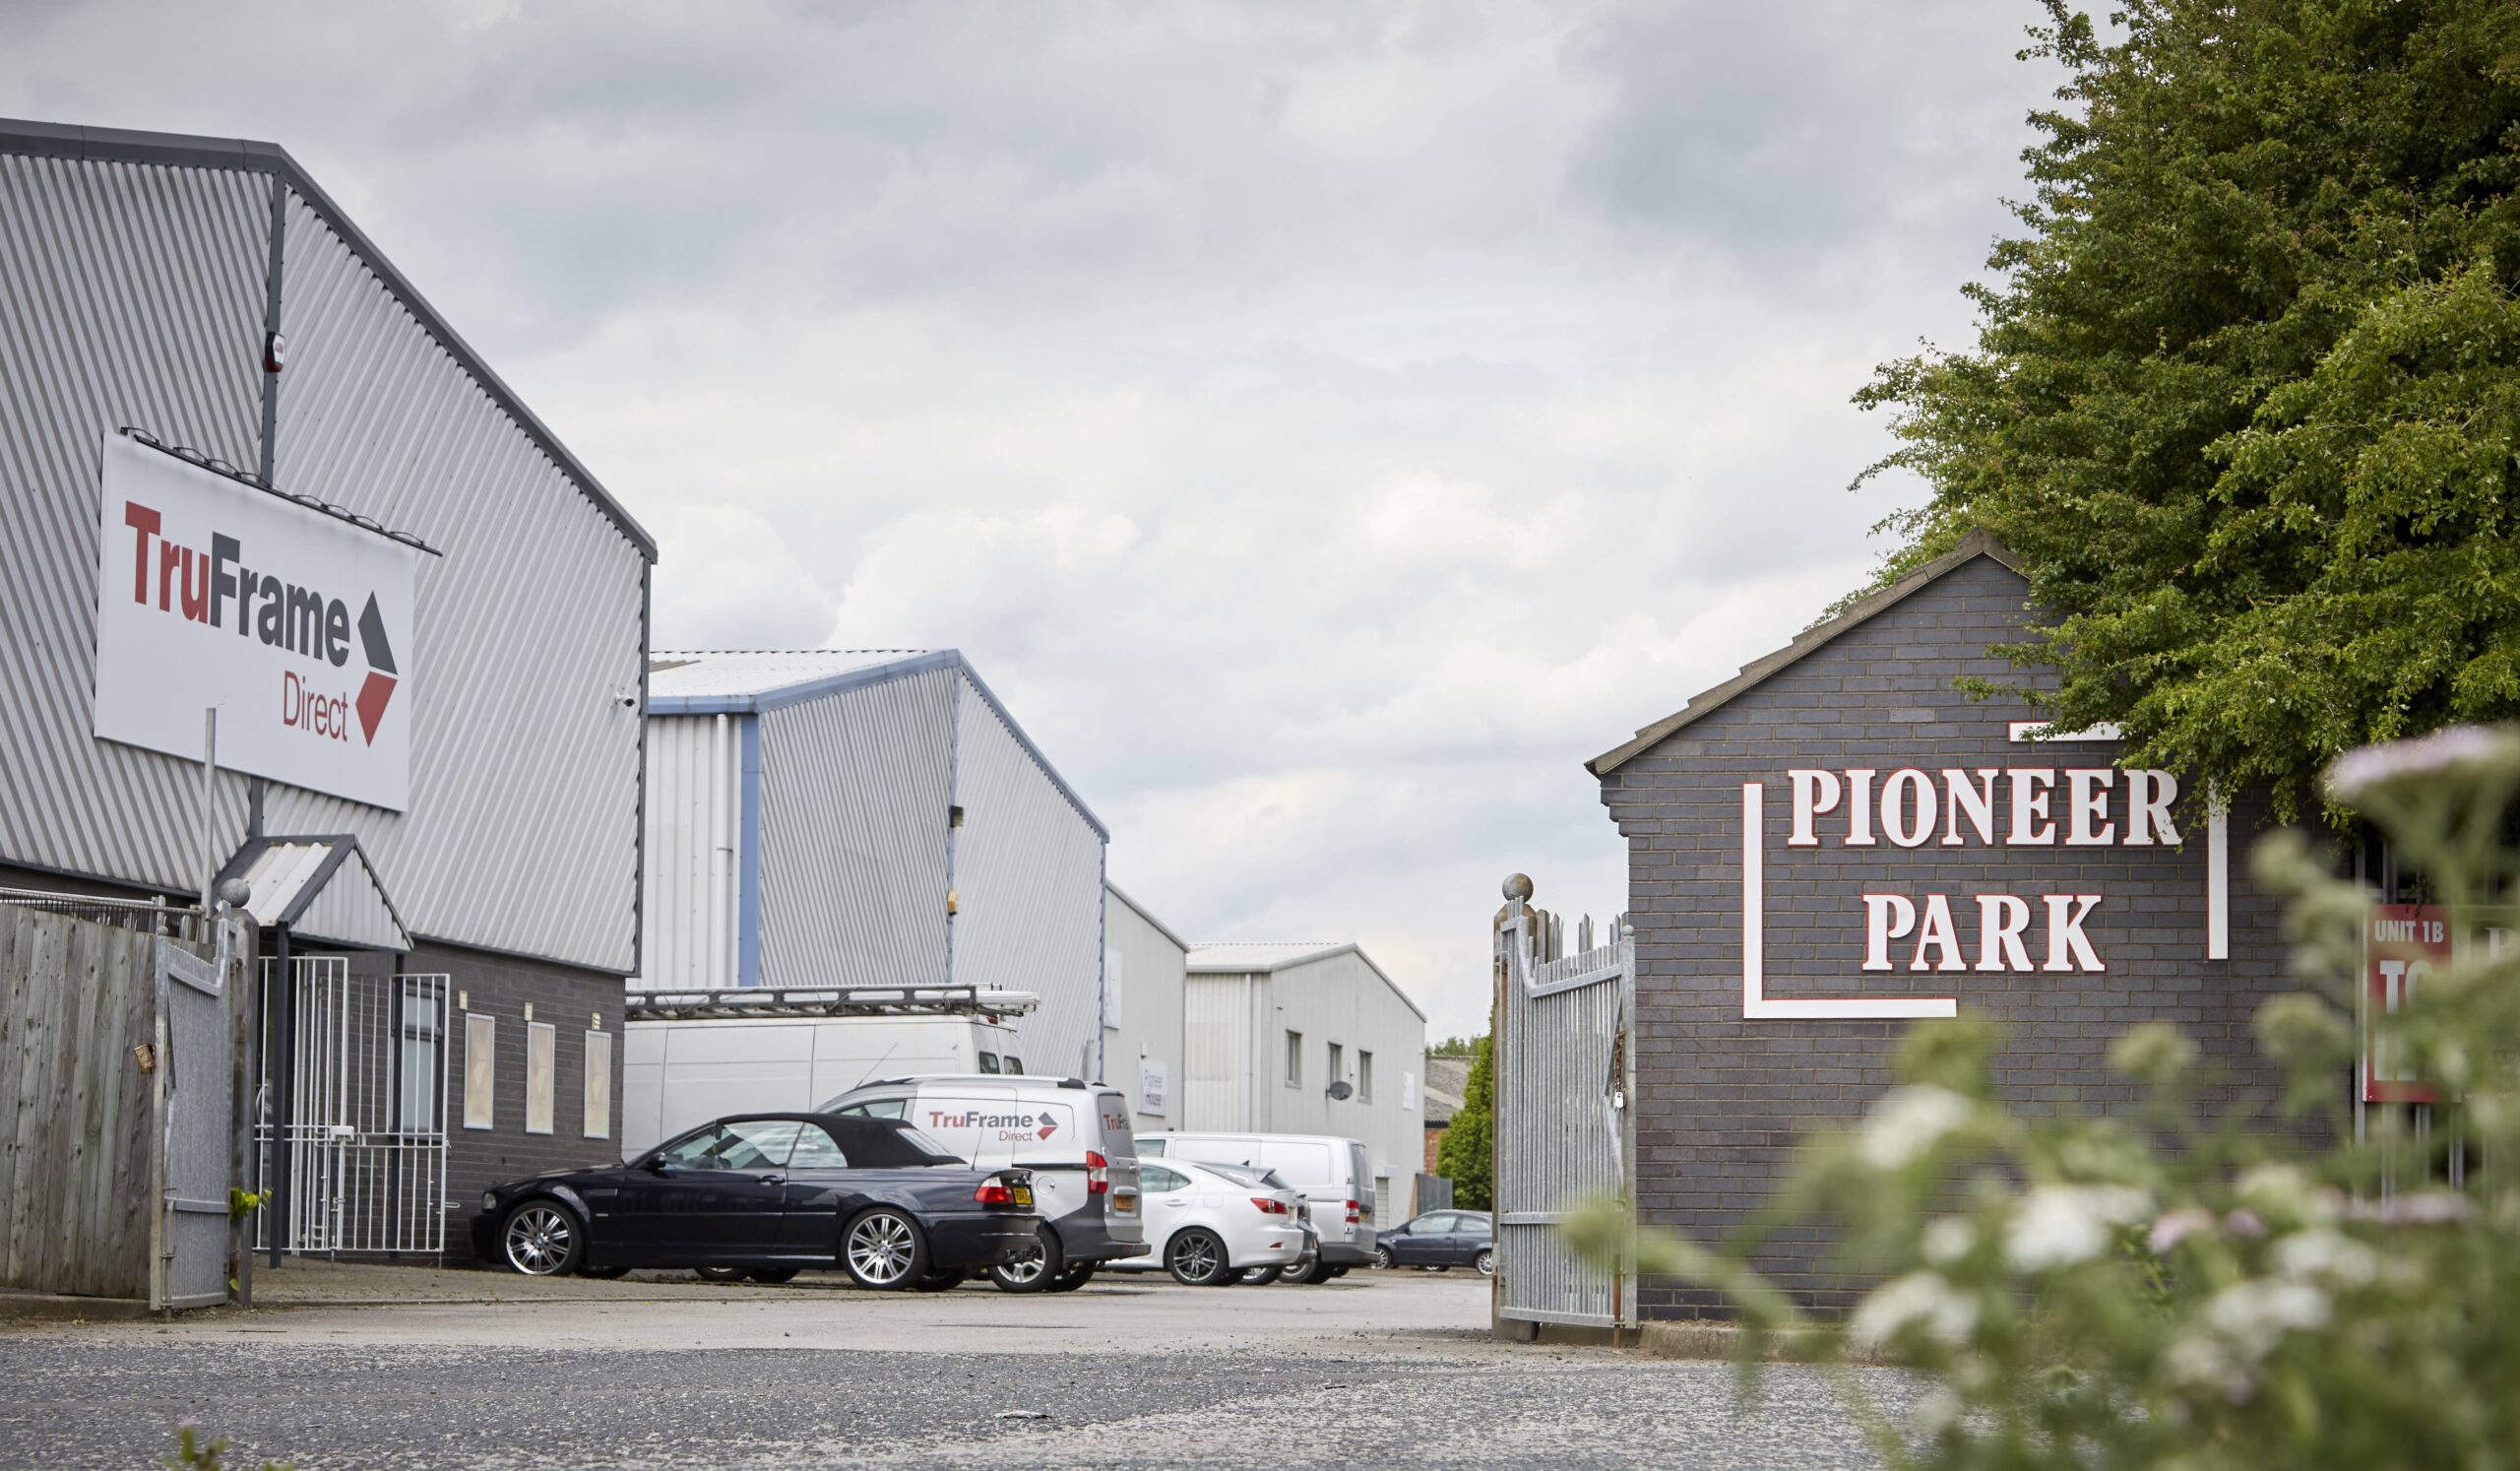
2019 806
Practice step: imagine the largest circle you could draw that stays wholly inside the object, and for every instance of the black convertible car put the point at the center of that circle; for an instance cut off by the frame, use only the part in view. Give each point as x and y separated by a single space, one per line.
767 1196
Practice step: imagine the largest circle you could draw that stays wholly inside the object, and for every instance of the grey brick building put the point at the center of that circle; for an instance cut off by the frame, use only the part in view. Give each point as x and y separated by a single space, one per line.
2005 876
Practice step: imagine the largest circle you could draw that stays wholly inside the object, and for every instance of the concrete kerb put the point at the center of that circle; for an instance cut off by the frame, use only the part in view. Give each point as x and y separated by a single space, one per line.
1710 1338
18 1306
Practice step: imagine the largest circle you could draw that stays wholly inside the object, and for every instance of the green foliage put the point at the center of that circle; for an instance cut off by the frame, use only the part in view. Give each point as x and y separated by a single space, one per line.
243 1204
210 1455
2198 1284
2245 396
1455 1046
1468 1153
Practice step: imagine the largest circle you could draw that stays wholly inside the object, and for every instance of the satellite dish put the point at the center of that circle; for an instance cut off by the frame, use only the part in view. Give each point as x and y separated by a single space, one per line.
1338 1089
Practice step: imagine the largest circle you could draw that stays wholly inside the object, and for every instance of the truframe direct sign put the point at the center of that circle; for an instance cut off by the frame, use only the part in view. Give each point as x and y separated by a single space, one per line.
294 624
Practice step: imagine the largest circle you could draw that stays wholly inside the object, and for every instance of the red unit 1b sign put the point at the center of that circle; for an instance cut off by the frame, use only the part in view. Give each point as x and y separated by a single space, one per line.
2401 943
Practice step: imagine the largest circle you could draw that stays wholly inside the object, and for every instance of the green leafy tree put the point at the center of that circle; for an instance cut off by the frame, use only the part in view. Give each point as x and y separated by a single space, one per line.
2245 394
1467 1152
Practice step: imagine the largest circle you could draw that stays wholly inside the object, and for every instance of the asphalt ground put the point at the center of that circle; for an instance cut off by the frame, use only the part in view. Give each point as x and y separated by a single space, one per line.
1377 1369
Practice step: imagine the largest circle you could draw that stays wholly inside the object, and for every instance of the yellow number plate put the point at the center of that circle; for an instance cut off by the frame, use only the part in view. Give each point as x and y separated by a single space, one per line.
1024 1196
1123 1204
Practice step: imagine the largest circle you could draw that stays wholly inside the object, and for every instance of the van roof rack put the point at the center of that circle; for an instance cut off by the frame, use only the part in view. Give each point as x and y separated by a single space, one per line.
826 1000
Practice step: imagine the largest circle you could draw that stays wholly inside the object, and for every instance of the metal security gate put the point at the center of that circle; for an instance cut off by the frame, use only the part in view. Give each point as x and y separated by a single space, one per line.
1564 1133
191 1097
353 1124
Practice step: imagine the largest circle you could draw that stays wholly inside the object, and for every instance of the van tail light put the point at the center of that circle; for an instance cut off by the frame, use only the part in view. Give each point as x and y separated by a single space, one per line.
1356 1212
1097 1174
993 1191
1269 1207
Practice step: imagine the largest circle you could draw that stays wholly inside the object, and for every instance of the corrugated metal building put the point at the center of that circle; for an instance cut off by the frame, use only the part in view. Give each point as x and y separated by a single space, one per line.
1144 966
1269 1027
868 817
206 294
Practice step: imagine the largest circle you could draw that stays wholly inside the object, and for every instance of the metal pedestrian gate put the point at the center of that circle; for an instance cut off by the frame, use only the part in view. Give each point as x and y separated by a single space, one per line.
1564 1132
191 1095
352 1125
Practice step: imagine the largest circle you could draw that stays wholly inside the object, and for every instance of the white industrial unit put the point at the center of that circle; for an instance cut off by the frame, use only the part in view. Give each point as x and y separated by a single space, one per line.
1268 1030
839 817
1143 974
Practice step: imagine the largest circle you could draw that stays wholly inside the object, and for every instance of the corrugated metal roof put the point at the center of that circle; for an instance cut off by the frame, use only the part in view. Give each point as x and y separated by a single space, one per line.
756 681
725 673
1238 956
1257 957
188 151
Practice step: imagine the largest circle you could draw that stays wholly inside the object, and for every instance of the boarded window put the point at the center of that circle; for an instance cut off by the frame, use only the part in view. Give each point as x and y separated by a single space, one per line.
599 1124
480 1068
542 1061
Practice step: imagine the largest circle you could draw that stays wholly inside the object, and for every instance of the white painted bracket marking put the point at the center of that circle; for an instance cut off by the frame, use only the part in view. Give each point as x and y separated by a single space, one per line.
2217 876
1755 1004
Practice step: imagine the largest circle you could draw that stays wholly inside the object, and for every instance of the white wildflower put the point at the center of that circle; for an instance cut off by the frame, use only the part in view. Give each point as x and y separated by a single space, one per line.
2253 1317
2328 1256
1906 1122
2174 1227
2200 1361
2360 773
2418 1208
1947 1239
1923 1300
2058 1226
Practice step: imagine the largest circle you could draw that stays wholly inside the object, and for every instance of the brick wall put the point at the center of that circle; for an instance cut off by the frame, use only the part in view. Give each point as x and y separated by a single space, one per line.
501 986
1721 1101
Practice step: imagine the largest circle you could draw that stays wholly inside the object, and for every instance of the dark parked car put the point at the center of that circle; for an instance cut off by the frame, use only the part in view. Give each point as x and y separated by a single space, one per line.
768 1195
1441 1239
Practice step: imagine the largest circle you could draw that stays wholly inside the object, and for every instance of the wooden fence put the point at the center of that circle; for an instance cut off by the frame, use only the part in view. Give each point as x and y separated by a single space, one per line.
77 1002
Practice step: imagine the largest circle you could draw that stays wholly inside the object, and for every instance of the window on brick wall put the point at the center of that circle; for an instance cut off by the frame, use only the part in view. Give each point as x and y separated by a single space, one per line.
480 1068
541 1066
598 1089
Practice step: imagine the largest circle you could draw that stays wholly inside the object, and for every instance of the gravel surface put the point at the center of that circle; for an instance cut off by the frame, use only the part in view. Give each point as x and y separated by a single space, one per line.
1277 1375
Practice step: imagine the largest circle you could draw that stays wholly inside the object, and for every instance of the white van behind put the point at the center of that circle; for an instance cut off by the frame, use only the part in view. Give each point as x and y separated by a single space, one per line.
1332 1172
1074 1137
690 1057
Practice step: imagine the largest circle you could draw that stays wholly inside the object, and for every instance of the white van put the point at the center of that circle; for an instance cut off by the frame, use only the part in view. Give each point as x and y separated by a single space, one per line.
1335 1180
1073 1135
679 1073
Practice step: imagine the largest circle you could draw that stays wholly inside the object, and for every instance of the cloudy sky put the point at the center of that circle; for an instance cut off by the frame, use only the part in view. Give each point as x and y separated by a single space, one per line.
1326 425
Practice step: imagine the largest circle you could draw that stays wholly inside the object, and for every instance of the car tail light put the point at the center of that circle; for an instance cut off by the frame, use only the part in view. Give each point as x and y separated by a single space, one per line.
1097 1174
1269 1207
993 1191
1356 1212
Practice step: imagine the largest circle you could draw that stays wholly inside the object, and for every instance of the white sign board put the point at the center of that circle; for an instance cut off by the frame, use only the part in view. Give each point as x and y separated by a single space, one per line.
1151 1082
297 624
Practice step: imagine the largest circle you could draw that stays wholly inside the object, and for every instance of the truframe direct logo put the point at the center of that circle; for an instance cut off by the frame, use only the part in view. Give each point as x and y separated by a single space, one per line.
293 623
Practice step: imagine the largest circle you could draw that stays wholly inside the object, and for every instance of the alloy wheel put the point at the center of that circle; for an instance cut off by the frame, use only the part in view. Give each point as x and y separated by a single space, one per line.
1486 1262
1024 1270
539 1238
1382 1258
1196 1257
880 1248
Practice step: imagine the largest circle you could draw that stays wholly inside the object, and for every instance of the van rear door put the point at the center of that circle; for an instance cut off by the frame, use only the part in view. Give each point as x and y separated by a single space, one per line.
1127 1215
